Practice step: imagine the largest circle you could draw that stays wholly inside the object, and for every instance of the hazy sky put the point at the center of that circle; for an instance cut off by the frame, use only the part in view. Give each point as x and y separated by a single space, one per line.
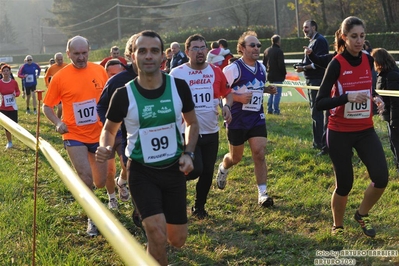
27 17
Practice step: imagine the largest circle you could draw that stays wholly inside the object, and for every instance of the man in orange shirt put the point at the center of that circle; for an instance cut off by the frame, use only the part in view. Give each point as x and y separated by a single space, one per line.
54 68
78 86
59 64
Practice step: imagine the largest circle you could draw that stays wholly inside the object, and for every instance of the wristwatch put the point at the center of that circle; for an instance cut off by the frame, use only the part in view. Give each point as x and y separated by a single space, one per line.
191 154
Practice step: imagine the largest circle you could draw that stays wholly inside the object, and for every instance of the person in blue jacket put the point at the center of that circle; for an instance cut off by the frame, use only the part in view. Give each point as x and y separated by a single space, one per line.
29 73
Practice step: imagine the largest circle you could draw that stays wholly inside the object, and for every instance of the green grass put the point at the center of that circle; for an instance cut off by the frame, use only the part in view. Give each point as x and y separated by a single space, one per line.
238 231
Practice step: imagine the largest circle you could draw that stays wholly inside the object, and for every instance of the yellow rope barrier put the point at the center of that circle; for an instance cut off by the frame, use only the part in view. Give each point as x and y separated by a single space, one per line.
131 252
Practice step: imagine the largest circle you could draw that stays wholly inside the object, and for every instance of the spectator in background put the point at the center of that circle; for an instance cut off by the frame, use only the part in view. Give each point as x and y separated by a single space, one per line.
59 64
30 72
216 54
114 54
323 60
178 57
224 45
8 92
367 46
273 60
314 74
388 79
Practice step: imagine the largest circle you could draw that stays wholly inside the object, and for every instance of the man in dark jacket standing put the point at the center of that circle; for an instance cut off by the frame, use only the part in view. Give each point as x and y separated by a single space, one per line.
314 74
273 59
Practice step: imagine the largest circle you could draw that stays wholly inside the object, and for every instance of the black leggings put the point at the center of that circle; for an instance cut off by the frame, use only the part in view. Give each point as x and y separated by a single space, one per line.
204 165
368 148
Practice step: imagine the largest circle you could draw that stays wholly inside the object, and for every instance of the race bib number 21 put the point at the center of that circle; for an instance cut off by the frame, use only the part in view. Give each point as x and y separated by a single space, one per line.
256 101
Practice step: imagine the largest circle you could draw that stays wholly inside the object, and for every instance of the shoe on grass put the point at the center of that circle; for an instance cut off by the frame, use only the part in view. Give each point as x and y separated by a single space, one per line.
113 204
264 200
337 230
92 229
365 224
221 177
199 213
9 145
123 190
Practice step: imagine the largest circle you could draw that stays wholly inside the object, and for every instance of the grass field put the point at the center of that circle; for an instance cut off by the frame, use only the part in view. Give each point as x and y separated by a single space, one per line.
296 231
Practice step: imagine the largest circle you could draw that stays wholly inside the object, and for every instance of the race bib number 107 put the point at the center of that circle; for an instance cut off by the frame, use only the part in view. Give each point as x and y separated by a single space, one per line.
85 112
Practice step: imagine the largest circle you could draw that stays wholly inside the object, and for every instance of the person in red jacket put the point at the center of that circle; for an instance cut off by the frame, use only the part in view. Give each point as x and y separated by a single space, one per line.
347 92
9 90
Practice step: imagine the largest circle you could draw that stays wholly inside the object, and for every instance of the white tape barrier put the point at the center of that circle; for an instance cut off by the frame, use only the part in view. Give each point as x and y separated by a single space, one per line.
302 85
131 252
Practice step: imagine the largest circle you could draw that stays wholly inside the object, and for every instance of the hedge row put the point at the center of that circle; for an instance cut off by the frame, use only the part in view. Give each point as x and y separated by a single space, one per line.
389 41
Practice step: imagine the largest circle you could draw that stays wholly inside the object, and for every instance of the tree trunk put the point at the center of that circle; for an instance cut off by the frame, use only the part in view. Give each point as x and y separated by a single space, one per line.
323 15
342 10
386 15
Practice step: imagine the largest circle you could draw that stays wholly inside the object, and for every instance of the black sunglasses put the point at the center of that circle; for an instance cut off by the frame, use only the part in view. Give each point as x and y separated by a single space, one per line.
255 44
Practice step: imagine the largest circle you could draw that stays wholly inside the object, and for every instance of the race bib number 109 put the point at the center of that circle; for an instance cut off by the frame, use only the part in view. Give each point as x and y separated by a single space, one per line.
358 110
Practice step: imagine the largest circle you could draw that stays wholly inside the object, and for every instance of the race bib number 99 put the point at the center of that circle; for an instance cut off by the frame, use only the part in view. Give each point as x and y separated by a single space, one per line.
85 112
158 143
357 110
